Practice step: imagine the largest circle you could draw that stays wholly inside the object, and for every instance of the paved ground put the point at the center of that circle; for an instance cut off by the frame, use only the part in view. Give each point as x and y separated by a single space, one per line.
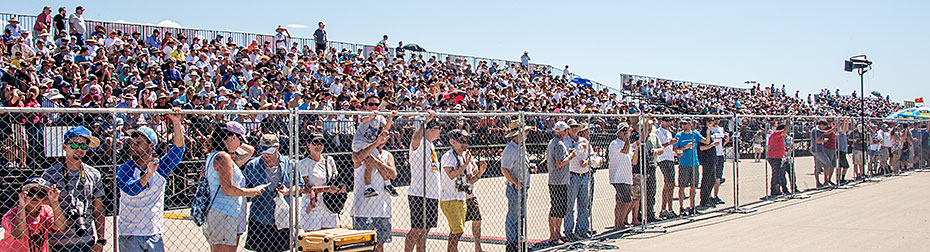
848 221
886 216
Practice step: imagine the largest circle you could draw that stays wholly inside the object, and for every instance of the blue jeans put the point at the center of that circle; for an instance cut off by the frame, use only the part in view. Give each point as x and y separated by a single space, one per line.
578 191
152 243
516 209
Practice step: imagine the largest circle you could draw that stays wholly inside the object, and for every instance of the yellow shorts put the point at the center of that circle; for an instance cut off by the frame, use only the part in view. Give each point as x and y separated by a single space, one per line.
454 210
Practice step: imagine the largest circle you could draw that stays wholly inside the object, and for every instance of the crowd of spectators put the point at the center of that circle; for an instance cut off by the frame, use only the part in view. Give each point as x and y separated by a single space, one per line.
757 100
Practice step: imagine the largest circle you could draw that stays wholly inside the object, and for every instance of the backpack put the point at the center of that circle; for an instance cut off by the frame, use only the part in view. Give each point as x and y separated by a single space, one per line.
202 200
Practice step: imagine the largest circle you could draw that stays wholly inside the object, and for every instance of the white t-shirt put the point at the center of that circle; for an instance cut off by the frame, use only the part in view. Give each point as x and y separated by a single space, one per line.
283 40
449 192
373 207
424 171
316 172
367 132
886 138
574 165
664 138
717 134
619 166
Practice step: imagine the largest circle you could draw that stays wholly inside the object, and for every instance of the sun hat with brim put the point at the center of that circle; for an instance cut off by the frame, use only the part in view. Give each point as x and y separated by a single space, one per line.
81 131
572 123
54 94
12 20
150 85
279 28
560 126
90 41
622 127
238 129
515 129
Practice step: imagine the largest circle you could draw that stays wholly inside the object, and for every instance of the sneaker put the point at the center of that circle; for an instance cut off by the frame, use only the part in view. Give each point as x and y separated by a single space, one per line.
370 192
723 180
682 212
671 214
719 201
390 189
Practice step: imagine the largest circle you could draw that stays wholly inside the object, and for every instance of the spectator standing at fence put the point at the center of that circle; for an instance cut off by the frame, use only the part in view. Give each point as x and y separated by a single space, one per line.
317 172
458 167
78 26
707 154
884 134
515 167
319 38
688 141
368 130
823 161
37 213
557 159
59 23
650 148
424 191
578 193
775 156
142 190
666 162
43 23
842 148
273 170
718 134
620 169
224 222
858 146
82 193
373 213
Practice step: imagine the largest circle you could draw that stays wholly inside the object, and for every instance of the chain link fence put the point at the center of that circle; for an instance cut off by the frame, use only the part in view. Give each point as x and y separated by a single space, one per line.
273 180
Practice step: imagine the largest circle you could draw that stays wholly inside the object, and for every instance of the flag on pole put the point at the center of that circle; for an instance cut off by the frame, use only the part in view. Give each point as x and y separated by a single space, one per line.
919 100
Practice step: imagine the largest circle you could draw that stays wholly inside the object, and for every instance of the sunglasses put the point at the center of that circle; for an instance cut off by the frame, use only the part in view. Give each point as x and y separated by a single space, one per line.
463 140
317 142
36 192
75 146
373 104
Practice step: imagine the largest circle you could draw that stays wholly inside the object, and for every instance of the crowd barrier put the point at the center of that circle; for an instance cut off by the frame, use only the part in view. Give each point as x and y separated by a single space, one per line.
315 163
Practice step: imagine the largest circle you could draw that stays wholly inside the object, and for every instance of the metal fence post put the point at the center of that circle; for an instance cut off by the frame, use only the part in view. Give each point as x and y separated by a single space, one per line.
115 188
293 156
736 160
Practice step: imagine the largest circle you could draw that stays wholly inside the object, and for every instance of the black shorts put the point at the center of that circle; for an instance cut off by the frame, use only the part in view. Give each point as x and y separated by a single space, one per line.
688 176
423 211
472 212
558 200
261 237
841 157
668 171
624 192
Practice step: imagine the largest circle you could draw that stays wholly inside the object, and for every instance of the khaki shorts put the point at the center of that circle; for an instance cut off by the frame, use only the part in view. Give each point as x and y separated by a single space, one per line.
454 210
220 228
857 156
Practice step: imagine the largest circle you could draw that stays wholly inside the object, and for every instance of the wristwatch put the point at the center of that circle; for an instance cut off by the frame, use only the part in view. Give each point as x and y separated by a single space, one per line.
102 242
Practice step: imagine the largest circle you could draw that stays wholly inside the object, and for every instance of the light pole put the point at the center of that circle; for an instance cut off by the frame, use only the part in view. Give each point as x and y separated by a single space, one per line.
862 65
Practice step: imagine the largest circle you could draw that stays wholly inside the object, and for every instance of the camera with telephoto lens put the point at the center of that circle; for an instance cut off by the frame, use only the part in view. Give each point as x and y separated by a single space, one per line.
461 186
77 221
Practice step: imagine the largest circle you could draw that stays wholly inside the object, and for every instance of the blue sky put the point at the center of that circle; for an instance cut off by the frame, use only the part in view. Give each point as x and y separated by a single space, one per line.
798 43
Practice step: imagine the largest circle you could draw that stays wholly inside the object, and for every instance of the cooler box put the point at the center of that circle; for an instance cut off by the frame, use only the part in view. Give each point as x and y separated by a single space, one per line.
337 239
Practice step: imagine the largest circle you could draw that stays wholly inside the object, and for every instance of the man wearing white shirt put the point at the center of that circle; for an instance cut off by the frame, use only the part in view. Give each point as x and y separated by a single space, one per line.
718 134
373 213
457 165
424 191
620 169
666 162
579 184
886 141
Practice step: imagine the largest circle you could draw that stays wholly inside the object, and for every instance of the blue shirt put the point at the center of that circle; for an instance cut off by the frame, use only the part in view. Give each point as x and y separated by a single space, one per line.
688 157
257 173
130 184
152 41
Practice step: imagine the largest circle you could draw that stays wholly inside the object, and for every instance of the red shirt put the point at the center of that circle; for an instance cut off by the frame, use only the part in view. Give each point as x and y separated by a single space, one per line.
831 140
36 239
776 145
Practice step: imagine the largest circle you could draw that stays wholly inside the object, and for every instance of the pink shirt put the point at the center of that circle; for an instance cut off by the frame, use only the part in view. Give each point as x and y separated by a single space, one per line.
37 231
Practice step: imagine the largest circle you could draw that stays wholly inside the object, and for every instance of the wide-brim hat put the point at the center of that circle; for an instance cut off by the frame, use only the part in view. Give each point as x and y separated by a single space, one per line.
13 20
280 28
515 129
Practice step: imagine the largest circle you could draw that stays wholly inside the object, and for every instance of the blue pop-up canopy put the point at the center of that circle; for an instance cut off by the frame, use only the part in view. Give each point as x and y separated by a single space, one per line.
582 81
911 113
